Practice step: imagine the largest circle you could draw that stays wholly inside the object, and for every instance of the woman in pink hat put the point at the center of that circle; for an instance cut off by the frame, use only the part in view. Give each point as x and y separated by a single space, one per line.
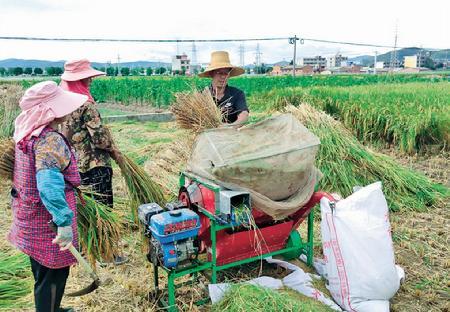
45 175
91 140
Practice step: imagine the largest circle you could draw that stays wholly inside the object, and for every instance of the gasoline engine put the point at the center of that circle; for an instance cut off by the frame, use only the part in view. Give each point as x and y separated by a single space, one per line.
171 233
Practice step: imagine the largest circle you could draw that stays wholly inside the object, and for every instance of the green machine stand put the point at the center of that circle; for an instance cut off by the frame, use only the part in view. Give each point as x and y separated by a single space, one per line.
166 297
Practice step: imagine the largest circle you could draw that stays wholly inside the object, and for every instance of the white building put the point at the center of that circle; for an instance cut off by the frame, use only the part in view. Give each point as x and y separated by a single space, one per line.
337 61
317 62
181 63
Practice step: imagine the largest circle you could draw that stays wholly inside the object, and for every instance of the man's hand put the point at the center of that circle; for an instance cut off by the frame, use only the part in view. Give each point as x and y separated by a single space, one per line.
64 237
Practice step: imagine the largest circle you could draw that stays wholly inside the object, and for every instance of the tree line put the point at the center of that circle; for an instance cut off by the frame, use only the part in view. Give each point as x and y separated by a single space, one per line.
110 71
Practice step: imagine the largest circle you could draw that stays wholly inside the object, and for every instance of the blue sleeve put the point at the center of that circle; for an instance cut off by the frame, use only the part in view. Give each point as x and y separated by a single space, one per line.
51 185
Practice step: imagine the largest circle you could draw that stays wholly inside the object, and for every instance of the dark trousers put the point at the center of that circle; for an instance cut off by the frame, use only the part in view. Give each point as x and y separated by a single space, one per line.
100 181
49 285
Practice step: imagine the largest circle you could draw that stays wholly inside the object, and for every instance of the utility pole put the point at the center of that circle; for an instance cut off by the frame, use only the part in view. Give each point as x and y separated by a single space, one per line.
118 65
293 40
420 57
375 63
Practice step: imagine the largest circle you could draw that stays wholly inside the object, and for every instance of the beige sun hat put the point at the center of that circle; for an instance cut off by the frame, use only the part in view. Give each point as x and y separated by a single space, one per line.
221 59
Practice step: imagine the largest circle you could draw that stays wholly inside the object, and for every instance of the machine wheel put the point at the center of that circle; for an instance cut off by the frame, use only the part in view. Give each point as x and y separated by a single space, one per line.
294 240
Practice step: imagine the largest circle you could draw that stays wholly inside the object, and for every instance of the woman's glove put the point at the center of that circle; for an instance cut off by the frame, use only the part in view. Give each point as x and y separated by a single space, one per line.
64 237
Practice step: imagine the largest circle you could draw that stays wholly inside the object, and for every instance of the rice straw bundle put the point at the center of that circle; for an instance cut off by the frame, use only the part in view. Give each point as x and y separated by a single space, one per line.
9 108
7 156
196 111
141 187
98 229
346 163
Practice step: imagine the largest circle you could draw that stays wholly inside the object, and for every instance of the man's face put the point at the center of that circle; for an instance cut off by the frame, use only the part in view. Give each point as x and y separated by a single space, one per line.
220 77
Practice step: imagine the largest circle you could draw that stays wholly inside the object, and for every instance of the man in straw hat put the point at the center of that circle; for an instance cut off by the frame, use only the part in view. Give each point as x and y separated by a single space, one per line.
91 140
230 100
45 175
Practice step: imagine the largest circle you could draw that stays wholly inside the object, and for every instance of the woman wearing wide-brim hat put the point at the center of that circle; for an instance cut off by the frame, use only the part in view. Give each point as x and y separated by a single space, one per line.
230 100
45 175
91 140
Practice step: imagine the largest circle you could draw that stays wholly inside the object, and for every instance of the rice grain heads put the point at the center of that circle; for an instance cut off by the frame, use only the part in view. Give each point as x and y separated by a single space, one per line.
7 156
141 187
346 163
196 111
10 95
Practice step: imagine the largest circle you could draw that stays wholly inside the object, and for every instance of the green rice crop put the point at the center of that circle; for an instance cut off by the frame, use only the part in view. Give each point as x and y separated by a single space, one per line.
159 91
409 116
15 280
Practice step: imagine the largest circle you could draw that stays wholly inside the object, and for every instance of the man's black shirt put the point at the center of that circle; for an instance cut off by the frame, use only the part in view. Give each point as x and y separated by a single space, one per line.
231 104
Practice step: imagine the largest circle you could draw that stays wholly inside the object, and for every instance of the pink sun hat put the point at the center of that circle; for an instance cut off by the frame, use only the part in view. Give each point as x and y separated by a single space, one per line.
41 104
79 69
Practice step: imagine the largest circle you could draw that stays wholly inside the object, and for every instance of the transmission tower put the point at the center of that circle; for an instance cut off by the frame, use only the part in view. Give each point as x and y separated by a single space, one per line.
394 52
194 54
242 55
258 54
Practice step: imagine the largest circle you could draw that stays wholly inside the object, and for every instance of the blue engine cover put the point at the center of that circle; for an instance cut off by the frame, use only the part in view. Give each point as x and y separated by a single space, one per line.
175 225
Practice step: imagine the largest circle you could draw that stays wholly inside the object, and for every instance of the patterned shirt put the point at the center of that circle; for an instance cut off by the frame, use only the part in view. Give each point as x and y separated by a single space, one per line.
90 139
52 156
51 151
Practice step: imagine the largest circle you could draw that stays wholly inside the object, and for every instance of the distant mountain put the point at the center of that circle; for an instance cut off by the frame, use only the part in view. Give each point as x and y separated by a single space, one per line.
281 63
367 60
43 64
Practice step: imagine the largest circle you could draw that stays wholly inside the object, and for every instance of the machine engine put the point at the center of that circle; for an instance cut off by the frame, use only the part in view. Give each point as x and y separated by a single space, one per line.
172 234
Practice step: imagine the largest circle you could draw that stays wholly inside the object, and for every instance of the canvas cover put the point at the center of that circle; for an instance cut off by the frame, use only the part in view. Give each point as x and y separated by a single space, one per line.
272 159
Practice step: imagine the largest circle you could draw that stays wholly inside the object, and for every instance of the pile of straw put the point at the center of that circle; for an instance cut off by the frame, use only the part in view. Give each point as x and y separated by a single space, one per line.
141 187
346 163
246 297
7 153
99 230
196 111
10 95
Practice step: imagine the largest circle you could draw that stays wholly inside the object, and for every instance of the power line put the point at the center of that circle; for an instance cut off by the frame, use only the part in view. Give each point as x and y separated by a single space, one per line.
196 40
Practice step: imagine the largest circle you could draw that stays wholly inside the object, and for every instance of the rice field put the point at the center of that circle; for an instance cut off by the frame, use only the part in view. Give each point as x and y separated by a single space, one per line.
419 217
409 116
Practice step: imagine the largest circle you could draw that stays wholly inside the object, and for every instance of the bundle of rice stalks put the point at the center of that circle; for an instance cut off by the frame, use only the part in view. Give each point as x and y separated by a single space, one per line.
246 297
196 111
15 280
9 108
98 230
141 187
7 155
346 163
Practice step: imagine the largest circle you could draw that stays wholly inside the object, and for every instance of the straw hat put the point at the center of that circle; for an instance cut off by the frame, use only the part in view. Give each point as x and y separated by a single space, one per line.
79 69
221 59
